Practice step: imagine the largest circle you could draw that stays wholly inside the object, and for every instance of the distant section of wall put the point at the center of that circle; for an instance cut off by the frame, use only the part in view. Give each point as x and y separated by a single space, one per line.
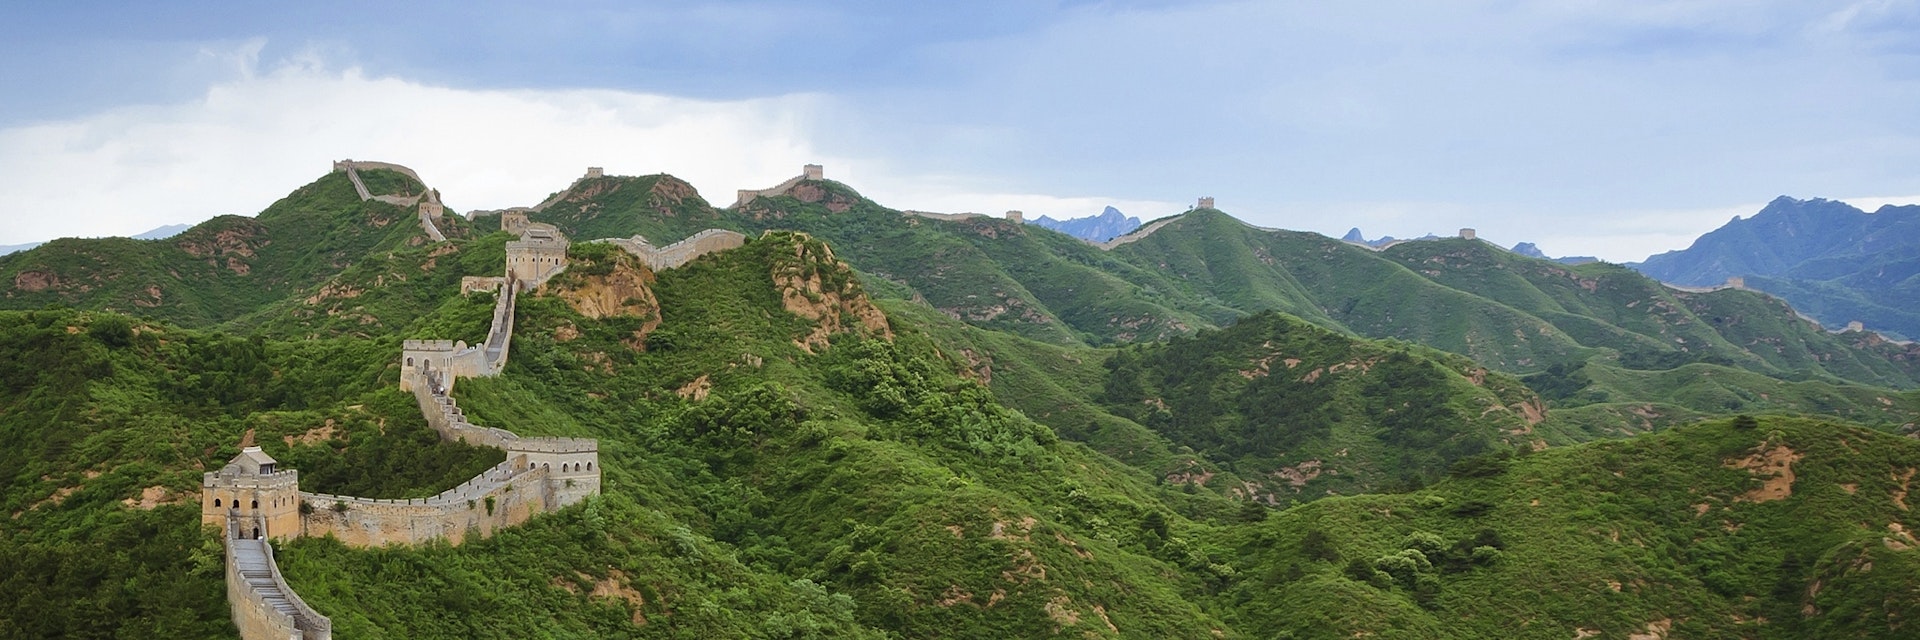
1137 234
807 172
430 208
682 252
951 217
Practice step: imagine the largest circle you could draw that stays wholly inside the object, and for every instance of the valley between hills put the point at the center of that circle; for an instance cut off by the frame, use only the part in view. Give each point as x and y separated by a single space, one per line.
866 422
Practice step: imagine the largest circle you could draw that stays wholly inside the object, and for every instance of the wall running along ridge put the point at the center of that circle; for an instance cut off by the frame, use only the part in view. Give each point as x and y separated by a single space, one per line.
255 503
429 202
539 474
682 252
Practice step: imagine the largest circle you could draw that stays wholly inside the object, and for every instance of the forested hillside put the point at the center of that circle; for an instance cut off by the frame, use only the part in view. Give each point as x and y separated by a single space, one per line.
862 423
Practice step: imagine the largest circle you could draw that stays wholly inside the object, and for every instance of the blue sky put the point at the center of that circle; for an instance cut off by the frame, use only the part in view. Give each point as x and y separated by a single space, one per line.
1610 128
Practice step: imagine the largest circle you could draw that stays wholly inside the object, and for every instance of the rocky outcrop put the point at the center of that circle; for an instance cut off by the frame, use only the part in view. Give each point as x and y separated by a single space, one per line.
820 288
621 287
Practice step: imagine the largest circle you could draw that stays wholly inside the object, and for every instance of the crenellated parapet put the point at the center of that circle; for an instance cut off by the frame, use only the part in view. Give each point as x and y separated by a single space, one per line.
679 253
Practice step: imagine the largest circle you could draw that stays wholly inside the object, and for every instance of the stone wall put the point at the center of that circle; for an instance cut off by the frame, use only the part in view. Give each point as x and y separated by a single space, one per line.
430 208
506 495
269 502
679 253
807 172
263 606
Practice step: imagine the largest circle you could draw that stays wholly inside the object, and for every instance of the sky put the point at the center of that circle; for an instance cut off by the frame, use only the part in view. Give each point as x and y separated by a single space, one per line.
1617 129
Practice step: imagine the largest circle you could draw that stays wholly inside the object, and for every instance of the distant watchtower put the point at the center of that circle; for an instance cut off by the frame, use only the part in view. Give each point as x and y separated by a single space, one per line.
1468 233
596 172
1206 202
1736 282
1017 217
252 488
813 172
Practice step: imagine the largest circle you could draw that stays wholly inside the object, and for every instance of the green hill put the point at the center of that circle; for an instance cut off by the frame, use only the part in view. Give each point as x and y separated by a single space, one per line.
1780 528
872 424
226 267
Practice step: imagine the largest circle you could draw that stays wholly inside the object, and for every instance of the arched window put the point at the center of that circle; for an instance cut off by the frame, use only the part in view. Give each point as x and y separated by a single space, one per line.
409 361
546 466
589 466
256 533
216 502
256 505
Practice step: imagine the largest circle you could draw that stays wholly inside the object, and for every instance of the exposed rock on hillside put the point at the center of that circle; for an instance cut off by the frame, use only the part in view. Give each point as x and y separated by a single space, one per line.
603 283
816 286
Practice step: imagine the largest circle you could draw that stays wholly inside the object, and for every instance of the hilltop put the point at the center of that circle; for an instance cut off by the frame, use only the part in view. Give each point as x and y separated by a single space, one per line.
1831 260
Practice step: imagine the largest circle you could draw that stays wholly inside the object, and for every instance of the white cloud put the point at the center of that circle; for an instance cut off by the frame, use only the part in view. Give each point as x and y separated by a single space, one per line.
253 138
250 140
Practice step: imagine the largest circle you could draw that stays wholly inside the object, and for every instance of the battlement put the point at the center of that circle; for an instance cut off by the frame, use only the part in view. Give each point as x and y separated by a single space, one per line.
1206 202
682 252
807 172
429 345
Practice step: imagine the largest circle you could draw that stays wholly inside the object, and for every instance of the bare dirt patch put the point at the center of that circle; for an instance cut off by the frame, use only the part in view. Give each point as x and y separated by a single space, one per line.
315 435
1300 474
1900 494
1775 467
696 390
151 497
1656 630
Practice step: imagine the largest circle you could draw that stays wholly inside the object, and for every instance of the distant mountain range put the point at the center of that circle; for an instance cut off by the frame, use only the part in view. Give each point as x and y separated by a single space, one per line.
1527 249
1108 225
1828 259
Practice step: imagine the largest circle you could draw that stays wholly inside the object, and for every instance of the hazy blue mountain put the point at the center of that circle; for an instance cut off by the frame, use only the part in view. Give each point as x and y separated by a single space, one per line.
1827 258
1108 225
11 248
163 232
1528 249
157 233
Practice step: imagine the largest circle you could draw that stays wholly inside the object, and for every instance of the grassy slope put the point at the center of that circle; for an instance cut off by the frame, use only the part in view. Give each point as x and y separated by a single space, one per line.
1615 537
220 269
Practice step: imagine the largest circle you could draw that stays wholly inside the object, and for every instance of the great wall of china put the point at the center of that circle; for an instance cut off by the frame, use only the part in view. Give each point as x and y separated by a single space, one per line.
429 208
255 503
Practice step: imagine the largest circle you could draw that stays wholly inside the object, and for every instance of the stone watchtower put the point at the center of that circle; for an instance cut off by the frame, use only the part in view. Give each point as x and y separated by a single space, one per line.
1206 202
813 172
596 172
539 254
1468 233
1017 217
253 490
513 220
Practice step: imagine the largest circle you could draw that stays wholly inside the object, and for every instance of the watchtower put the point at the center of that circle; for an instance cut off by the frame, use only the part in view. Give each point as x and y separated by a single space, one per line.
254 490
1017 217
1206 202
1467 233
1736 282
513 220
539 254
813 172
596 172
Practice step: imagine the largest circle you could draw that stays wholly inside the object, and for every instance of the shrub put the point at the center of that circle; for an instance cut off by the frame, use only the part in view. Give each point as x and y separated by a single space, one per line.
1486 556
1428 544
